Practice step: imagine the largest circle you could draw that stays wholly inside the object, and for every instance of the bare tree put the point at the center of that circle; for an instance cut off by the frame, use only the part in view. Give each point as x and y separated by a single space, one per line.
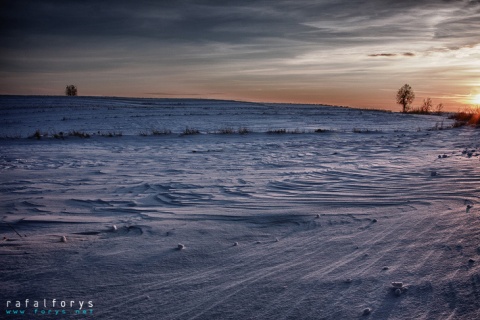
71 90
427 106
439 108
405 96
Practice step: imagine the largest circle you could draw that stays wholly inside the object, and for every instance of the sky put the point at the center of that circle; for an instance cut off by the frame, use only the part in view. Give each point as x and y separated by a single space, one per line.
343 52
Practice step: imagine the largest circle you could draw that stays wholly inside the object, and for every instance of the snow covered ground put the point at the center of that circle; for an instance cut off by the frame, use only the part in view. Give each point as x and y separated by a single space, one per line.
236 222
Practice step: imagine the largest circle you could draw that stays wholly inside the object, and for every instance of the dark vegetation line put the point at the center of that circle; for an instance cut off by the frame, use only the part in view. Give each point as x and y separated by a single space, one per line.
74 133
468 117
460 120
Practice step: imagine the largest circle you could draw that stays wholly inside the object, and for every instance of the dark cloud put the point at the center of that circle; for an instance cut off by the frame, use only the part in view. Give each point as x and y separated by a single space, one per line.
405 54
383 55
27 24
220 21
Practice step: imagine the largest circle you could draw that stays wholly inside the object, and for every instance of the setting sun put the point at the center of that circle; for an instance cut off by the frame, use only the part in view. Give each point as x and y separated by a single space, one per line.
476 99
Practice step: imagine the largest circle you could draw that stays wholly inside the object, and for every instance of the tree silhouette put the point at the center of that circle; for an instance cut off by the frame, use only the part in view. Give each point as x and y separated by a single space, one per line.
439 108
427 105
71 90
405 96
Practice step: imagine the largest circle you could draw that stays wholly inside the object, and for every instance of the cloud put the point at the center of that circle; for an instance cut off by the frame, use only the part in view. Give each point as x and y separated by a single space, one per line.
273 26
405 54
199 45
382 55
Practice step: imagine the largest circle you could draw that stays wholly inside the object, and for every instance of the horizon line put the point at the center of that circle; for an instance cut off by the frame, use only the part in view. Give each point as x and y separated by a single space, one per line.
207 99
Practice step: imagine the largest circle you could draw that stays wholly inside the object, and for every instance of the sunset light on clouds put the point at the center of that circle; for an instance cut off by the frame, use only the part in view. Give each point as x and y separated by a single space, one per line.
355 53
